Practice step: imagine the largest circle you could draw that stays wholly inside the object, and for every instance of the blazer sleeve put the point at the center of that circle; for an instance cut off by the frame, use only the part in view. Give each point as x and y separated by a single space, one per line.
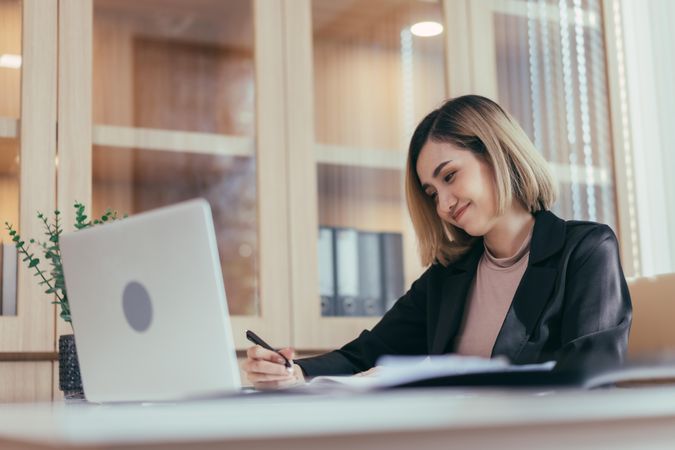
401 331
597 311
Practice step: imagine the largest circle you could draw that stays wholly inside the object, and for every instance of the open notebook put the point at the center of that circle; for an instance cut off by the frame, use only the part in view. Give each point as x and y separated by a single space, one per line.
395 371
455 370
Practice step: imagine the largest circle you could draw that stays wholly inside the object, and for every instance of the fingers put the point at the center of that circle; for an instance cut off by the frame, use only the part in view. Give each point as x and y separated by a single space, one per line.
262 377
293 380
299 375
288 352
258 353
256 378
267 369
258 366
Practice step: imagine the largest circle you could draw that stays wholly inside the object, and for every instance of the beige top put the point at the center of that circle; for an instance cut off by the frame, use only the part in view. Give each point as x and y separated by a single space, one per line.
489 299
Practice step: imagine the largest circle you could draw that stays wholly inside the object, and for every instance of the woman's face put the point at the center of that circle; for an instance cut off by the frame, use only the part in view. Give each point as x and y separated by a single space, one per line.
461 184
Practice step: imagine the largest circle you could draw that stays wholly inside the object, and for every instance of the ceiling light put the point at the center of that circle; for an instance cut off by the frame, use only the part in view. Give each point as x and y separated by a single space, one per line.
10 61
426 29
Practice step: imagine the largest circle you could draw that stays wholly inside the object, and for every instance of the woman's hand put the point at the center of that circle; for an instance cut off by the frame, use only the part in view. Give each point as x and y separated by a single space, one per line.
266 370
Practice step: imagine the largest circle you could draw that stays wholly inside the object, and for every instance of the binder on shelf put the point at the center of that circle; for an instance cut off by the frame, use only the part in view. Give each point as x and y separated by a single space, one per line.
9 277
327 270
347 272
392 268
370 300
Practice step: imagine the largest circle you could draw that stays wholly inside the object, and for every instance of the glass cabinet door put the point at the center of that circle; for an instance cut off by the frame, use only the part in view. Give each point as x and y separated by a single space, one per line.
177 90
10 112
27 171
174 120
373 80
545 63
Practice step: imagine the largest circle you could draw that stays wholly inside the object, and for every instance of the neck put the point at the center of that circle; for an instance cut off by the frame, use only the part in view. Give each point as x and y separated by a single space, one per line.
508 234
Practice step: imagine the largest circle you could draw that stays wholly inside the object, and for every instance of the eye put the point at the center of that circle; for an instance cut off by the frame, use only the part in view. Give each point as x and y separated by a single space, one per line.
449 176
432 195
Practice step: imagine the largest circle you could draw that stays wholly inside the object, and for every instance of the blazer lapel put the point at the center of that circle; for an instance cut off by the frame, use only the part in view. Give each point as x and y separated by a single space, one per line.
532 294
453 297
530 299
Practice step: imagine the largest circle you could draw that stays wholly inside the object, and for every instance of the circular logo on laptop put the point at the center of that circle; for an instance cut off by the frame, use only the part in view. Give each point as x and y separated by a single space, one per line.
137 306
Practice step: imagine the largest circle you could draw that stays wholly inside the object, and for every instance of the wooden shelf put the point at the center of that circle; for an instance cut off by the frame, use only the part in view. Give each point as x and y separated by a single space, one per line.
338 155
360 157
28 356
218 144
169 140
393 159
9 127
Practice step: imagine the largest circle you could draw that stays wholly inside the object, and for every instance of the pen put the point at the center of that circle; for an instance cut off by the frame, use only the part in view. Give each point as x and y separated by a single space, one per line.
251 336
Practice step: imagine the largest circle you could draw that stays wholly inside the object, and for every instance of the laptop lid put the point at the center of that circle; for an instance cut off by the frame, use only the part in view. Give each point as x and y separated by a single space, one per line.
148 307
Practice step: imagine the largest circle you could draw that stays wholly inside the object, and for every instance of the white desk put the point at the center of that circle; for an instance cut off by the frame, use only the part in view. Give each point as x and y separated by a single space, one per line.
619 419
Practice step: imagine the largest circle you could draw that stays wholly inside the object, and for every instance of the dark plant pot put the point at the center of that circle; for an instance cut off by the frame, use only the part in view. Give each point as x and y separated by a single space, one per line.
70 381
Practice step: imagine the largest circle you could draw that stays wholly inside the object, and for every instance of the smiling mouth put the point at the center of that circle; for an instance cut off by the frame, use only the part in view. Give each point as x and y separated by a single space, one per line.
459 212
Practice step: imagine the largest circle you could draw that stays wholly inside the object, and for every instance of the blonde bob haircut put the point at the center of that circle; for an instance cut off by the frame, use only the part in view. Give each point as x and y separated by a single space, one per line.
481 126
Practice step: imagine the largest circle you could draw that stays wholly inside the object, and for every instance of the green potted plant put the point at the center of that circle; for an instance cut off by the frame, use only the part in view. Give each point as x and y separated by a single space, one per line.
70 381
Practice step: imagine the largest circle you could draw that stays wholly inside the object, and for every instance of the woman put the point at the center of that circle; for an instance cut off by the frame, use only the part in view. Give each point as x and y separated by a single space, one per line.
505 277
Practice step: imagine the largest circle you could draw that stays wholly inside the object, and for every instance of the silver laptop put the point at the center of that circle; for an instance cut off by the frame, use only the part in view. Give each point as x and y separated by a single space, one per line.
148 307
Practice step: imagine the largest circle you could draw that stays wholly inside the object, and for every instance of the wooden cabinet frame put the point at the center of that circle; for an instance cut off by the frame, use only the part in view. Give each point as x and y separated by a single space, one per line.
76 140
31 331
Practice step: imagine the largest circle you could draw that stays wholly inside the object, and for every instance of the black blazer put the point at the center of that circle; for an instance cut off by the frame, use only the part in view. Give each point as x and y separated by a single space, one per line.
572 305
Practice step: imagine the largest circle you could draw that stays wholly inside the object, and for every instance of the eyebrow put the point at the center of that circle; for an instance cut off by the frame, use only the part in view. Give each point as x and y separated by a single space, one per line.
437 170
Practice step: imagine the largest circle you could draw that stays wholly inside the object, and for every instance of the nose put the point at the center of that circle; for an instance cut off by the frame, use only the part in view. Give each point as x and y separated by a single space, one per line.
446 201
